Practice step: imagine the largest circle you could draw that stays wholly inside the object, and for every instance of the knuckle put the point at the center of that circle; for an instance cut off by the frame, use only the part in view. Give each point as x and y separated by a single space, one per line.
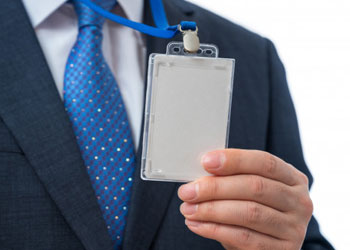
209 187
206 211
275 221
306 204
244 237
253 213
304 179
215 187
288 195
258 185
270 163
209 209
214 230
239 159
284 189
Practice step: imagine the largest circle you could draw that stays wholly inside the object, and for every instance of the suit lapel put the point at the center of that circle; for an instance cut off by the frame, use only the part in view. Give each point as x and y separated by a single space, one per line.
31 108
149 200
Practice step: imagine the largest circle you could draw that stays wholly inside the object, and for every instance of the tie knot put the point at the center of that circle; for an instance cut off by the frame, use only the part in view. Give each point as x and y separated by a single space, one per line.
87 16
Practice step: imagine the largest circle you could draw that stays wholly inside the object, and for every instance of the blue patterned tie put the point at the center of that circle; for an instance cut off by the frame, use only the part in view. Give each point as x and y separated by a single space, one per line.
95 106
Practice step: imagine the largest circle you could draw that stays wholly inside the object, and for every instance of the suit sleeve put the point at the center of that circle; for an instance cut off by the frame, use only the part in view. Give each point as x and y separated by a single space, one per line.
283 136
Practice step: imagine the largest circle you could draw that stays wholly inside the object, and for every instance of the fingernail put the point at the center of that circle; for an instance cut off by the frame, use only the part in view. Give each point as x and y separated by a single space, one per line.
192 223
188 191
213 160
188 208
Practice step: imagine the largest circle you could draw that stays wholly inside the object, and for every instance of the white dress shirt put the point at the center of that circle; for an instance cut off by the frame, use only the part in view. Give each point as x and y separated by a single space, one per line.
56 26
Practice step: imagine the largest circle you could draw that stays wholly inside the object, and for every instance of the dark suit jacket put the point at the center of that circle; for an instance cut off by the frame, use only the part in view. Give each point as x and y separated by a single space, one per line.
46 199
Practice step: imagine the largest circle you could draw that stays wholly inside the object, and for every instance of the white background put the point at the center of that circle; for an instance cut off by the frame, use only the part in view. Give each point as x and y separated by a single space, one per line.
313 40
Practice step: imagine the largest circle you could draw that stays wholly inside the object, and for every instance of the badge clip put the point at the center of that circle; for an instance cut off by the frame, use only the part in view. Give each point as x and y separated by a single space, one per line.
190 39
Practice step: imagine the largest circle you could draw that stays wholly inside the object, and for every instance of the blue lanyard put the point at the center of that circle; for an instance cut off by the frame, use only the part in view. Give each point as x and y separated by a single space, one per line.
163 29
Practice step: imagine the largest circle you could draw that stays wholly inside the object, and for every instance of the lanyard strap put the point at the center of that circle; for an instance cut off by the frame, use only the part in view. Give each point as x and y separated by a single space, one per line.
163 29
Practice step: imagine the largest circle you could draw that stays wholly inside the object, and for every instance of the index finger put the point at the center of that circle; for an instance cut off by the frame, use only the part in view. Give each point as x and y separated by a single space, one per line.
239 161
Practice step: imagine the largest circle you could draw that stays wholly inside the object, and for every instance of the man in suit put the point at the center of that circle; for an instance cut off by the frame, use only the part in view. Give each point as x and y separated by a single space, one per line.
254 200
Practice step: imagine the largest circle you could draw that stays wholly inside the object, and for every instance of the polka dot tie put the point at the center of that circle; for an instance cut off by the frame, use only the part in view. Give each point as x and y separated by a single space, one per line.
95 106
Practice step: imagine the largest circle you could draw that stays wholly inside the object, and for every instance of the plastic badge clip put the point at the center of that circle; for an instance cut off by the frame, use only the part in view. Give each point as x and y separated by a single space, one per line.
190 39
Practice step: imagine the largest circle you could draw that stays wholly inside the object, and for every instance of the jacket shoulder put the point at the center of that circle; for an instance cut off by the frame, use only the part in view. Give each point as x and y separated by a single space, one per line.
225 33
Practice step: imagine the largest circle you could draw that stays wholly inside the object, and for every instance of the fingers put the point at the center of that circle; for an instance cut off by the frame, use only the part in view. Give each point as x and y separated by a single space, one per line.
233 237
250 215
239 161
240 187
254 200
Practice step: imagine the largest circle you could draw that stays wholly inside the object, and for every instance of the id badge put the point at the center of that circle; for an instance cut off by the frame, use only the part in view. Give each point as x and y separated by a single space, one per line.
187 112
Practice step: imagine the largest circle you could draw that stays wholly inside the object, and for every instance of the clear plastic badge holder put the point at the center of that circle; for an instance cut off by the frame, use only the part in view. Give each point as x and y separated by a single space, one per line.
187 113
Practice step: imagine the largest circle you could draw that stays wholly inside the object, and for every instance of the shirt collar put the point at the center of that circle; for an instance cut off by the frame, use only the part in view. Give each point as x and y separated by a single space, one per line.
39 10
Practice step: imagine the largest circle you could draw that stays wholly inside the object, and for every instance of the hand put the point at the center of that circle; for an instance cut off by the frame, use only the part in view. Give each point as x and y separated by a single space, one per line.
254 200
